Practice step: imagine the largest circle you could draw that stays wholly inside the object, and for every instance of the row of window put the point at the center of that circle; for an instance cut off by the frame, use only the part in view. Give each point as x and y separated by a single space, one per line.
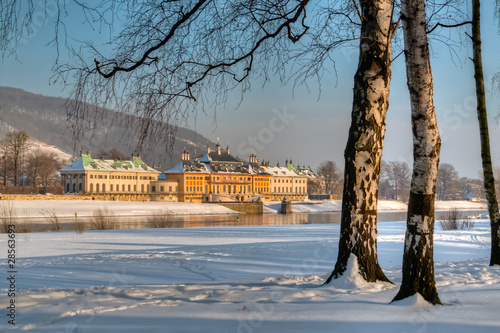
241 179
218 178
298 190
297 181
74 176
196 178
120 177
227 189
261 179
101 188
126 188
97 176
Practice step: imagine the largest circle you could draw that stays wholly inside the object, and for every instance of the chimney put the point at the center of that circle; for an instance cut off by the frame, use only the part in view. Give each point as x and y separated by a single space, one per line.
185 155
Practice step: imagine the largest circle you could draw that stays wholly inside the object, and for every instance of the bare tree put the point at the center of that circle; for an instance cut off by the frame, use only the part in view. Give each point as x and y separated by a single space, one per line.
471 188
332 175
15 144
446 181
3 151
385 190
418 261
398 174
42 169
489 180
315 186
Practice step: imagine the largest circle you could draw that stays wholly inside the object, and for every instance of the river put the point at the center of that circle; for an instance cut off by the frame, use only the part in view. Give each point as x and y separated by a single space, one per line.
227 220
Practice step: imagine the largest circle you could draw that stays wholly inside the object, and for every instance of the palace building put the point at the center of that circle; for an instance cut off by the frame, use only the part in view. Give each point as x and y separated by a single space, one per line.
216 176
120 179
219 177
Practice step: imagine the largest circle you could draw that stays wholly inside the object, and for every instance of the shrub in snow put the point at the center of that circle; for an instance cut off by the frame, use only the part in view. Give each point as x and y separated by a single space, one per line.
8 214
162 219
455 220
102 219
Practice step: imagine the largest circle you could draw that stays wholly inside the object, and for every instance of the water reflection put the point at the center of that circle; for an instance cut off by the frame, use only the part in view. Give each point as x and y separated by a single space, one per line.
194 221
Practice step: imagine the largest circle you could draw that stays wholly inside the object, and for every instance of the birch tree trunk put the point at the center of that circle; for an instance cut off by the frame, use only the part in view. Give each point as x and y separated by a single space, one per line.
489 180
418 262
363 152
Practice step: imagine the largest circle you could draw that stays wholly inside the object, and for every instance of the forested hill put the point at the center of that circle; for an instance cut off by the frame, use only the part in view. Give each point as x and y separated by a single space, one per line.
44 118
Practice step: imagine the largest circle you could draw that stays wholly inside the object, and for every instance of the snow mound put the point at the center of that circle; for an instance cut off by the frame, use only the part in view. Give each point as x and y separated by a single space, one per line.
416 301
296 280
351 279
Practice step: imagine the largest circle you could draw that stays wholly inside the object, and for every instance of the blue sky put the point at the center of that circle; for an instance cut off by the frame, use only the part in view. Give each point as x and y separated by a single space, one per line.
278 124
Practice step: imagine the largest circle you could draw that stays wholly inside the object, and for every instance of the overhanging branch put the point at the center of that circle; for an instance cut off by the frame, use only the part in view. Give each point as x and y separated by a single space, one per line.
448 25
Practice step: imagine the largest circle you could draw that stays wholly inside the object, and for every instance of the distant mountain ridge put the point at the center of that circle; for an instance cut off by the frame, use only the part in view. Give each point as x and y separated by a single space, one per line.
44 118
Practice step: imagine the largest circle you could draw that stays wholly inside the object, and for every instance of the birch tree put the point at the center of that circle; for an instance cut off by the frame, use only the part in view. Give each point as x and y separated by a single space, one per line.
489 179
418 262
363 152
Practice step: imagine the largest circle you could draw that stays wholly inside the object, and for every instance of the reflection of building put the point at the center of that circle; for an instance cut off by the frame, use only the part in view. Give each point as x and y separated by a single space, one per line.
108 177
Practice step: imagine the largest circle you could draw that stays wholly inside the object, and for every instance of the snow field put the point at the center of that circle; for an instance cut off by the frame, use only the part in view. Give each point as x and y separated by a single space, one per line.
242 279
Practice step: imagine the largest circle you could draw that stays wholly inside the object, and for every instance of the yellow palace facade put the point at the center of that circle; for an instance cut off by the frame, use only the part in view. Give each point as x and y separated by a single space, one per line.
214 177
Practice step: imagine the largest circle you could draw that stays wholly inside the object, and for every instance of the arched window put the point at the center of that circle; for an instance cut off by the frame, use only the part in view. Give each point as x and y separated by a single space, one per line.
103 188
67 188
91 188
142 188
97 188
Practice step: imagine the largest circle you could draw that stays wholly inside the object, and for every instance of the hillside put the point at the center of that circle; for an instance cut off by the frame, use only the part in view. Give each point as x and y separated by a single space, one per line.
44 119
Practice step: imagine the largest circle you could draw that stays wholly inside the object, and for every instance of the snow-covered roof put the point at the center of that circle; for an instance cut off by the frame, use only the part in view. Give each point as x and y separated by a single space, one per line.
190 167
205 159
87 163
281 171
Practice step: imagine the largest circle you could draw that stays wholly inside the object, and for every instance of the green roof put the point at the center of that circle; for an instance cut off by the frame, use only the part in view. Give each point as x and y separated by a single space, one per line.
85 162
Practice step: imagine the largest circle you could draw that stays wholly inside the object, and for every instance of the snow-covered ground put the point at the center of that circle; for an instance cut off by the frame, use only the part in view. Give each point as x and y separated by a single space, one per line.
68 208
240 279
383 206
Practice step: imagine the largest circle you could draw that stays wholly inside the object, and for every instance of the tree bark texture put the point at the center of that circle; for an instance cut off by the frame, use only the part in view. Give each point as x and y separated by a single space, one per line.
489 180
418 262
363 152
